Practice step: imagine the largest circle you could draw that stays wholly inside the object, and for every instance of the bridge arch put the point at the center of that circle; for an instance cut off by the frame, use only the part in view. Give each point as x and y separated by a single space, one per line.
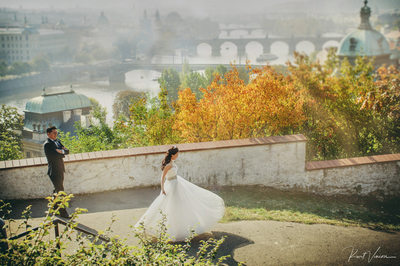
204 49
330 43
228 48
279 48
254 49
305 46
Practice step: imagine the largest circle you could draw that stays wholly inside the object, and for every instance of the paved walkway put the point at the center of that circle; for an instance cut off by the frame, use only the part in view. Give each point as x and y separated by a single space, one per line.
251 242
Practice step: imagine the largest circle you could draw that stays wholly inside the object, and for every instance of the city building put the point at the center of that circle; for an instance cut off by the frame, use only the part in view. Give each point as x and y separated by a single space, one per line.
25 43
60 109
366 41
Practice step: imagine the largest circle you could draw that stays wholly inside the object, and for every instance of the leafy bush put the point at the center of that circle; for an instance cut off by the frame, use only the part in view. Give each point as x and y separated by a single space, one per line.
38 247
11 122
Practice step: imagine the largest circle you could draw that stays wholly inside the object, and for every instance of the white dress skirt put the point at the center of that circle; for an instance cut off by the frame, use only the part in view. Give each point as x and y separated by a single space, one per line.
186 207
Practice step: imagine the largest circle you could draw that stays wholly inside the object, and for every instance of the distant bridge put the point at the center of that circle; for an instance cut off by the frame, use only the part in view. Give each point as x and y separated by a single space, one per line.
266 43
116 72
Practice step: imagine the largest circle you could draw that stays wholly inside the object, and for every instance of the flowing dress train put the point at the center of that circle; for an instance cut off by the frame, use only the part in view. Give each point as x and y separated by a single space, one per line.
186 206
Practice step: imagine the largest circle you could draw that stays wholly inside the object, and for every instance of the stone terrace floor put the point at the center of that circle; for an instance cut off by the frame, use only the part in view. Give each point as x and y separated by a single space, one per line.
250 242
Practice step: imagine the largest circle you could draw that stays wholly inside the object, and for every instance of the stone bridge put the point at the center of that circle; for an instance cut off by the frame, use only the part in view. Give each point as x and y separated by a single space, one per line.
116 72
292 41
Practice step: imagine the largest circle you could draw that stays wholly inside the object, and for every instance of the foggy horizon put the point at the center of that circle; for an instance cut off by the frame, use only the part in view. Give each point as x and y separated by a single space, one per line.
206 8
128 36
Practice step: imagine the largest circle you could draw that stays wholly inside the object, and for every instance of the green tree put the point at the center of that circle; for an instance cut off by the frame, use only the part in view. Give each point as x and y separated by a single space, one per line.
150 122
10 139
210 73
221 70
336 97
18 68
3 68
41 64
170 81
243 74
98 136
122 103
194 81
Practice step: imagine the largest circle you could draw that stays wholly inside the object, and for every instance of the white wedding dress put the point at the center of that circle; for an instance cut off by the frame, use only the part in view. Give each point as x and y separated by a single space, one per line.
186 207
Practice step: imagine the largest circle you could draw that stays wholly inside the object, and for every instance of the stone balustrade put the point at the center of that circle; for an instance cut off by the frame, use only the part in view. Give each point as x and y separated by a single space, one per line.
277 161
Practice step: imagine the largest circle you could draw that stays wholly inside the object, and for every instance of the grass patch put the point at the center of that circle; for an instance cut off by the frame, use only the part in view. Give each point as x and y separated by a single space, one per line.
260 203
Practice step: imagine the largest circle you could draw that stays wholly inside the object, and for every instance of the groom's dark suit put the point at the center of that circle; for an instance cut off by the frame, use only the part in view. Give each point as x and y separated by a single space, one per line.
55 163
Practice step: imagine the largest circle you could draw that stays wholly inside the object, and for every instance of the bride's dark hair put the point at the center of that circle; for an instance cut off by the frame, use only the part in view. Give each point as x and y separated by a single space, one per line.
174 150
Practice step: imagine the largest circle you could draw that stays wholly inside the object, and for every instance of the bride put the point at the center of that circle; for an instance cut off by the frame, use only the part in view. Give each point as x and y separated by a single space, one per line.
186 206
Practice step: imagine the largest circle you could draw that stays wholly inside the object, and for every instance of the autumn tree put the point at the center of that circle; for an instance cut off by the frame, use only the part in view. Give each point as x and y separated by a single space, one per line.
344 110
337 124
383 100
244 74
231 109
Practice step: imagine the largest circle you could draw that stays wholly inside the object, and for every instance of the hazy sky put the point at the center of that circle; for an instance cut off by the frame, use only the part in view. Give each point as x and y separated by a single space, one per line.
208 7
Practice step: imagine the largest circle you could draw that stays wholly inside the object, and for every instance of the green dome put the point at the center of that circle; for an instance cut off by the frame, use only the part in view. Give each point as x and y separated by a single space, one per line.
50 103
364 43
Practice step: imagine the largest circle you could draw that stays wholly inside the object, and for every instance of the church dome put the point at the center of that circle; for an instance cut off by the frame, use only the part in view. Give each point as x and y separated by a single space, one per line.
55 102
365 41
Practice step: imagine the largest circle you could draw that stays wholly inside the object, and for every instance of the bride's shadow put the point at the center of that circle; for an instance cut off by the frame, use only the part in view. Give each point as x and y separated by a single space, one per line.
230 243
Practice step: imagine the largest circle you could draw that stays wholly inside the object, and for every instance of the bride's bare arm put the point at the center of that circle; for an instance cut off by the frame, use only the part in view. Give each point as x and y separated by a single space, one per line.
165 171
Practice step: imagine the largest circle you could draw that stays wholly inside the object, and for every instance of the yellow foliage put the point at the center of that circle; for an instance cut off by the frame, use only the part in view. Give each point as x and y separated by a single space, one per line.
230 109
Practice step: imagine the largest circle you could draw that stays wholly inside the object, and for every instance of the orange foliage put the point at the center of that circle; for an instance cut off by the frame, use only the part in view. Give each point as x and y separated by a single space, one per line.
230 109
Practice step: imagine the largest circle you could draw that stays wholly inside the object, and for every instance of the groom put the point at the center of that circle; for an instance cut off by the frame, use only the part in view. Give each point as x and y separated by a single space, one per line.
55 152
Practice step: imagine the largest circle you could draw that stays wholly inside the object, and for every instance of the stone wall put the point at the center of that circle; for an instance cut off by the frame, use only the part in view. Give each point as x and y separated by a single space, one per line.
373 175
277 161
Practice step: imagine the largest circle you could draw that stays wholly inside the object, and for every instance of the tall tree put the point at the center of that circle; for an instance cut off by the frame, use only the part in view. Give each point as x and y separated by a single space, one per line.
150 123
11 123
122 103
170 81
210 73
194 81
18 68
97 137
41 64
3 68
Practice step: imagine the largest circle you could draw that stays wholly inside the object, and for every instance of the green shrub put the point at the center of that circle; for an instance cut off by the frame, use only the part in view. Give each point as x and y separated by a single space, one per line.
39 247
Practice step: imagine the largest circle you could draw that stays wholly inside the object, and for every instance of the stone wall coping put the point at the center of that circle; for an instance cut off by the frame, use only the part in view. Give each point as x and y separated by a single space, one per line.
184 147
318 165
